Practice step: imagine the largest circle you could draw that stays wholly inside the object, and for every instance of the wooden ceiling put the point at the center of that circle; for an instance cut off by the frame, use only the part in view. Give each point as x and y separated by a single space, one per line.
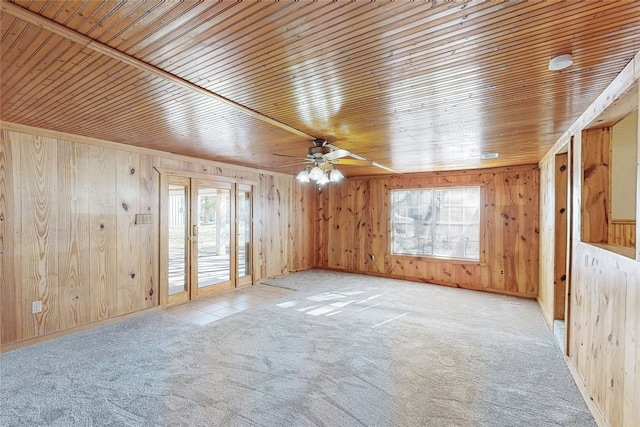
415 86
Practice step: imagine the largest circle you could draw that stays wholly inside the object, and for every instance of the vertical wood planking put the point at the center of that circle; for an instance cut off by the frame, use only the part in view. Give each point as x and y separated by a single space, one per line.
561 182
73 234
149 233
622 233
11 313
547 240
602 326
378 245
303 221
103 234
492 227
39 239
320 230
631 408
274 224
128 233
596 154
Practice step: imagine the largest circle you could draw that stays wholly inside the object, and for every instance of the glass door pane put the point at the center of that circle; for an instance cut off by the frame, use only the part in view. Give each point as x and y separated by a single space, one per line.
213 234
178 233
244 215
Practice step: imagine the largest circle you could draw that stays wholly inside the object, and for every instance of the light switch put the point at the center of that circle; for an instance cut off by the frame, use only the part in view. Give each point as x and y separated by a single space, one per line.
144 218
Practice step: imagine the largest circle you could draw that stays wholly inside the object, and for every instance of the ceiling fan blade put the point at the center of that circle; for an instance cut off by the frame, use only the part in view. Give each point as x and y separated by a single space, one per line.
337 154
295 164
384 167
353 162
357 160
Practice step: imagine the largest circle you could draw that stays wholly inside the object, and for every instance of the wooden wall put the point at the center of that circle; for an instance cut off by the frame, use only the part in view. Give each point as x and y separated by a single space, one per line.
553 237
68 235
353 230
604 302
622 233
596 191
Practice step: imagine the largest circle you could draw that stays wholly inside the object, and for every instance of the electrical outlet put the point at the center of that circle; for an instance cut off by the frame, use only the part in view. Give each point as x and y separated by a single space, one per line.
260 261
502 272
36 307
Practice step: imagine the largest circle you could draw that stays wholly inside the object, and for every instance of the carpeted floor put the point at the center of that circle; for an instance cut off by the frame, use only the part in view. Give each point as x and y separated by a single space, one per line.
344 350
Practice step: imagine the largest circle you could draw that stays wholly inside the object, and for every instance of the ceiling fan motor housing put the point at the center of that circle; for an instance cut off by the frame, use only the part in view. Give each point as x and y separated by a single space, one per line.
315 152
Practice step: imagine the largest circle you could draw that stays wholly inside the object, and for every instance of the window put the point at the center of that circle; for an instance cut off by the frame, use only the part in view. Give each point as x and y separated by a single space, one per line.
437 222
609 184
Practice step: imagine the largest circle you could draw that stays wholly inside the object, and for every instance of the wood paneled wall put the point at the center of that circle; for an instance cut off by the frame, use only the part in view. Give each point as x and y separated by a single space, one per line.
560 231
605 324
353 230
622 233
553 238
68 235
596 191
604 303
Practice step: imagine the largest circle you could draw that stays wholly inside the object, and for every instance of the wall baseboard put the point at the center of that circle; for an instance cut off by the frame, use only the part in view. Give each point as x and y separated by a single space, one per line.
42 338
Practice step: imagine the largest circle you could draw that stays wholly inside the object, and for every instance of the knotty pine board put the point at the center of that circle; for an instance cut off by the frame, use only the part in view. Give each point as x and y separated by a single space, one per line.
129 234
560 234
39 224
11 281
103 237
73 234
303 219
547 240
150 204
596 158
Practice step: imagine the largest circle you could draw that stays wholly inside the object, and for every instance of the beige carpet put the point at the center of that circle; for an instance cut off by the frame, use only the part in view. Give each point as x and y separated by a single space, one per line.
344 350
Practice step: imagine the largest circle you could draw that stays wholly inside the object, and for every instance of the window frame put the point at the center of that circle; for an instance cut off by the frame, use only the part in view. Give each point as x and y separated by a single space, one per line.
431 257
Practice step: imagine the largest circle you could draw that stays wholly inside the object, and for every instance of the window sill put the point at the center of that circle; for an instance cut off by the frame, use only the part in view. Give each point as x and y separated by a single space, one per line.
620 250
424 258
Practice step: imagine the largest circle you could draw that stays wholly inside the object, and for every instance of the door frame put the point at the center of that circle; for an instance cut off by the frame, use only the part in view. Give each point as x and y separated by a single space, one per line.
194 232
247 279
163 275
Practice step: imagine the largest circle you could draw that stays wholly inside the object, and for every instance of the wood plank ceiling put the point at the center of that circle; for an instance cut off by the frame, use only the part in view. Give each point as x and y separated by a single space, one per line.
416 86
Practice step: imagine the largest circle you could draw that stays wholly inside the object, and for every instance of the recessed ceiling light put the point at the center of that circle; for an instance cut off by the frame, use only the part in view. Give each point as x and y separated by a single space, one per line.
490 156
560 62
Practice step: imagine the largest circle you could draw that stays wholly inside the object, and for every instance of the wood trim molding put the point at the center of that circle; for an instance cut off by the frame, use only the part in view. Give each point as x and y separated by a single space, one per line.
623 221
462 172
200 175
81 39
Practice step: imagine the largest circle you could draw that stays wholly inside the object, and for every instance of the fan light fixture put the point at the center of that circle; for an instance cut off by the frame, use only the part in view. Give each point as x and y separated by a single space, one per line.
322 173
303 176
316 173
336 175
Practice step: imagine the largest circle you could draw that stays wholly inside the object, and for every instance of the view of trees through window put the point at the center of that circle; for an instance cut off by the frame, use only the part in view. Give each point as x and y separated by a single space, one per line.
438 222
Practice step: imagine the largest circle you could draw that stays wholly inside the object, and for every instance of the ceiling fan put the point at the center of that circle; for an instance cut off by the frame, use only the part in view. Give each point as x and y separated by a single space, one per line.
321 160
